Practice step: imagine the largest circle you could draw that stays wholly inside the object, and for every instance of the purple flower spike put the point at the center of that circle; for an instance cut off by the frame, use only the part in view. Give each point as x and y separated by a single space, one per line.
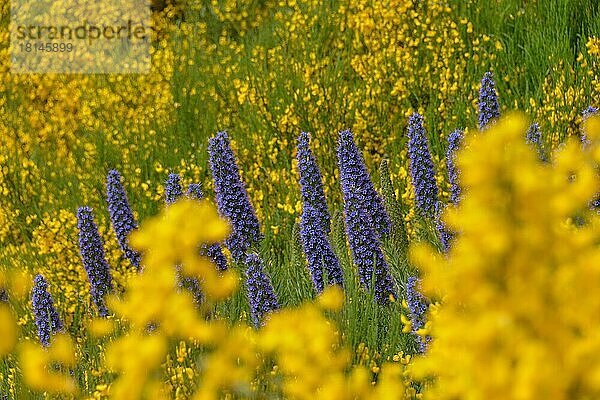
317 249
311 182
417 308
94 259
534 139
445 234
454 142
421 167
46 317
489 109
232 199
358 202
357 183
261 295
173 190
121 215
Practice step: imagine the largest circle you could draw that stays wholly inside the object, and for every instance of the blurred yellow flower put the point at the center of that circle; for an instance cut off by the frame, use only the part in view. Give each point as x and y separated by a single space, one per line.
514 284
8 330
332 298
38 370
100 327
186 224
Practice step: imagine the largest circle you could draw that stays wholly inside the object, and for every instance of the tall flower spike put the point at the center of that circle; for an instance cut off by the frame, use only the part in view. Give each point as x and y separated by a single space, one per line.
311 182
533 135
366 250
232 199
534 139
121 216
46 317
190 283
213 251
367 254
261 296
318 250
588 112
173 190
417 308
489 109
454 142
94 260
194 191
355 179
444 233
421 167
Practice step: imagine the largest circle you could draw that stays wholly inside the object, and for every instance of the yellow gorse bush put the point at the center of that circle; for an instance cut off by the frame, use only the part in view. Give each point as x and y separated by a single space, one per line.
39 365
8 330
566 92
309 358
55 126
518 317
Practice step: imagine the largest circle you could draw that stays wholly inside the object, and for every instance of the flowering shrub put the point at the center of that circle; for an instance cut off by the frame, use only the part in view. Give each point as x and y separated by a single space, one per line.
505 286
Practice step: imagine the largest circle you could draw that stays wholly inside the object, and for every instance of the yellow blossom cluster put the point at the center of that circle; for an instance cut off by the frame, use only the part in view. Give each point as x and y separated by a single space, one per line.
515 308
393 39
561 107
309 362
40 365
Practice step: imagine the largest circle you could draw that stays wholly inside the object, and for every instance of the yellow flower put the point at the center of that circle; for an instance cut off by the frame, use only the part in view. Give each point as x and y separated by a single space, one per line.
332 298
186 224
8 330
406 324
515 274
36 363
101 327
134 356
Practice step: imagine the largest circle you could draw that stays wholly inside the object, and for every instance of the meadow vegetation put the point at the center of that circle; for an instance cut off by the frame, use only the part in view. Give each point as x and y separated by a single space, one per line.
376 84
